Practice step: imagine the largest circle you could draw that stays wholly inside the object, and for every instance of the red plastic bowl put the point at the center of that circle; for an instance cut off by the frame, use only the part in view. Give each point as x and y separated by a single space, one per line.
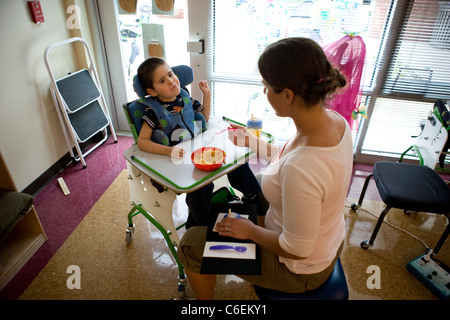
207 167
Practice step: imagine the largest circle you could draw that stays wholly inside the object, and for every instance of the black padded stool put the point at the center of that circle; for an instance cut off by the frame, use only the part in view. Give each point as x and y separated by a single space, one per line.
335 288
408 187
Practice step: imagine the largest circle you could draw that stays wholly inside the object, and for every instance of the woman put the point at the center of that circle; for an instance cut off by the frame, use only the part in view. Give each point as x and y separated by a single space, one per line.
306 182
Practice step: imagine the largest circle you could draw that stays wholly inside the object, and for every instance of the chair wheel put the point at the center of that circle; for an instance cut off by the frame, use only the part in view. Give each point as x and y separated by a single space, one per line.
129 237
355 206
182 287
129 234
365 244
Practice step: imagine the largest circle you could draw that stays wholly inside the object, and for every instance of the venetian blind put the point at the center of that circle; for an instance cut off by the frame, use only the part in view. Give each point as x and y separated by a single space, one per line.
420 68
417 73
240 30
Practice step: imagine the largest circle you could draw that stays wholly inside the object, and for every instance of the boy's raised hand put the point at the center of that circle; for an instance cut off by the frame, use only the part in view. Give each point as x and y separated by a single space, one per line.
203 86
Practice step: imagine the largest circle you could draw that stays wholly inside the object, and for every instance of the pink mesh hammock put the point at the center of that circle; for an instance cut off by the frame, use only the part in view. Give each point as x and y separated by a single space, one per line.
348 55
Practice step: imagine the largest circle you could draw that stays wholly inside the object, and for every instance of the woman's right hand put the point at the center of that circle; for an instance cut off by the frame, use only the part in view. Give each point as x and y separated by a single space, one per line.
239 135
242 137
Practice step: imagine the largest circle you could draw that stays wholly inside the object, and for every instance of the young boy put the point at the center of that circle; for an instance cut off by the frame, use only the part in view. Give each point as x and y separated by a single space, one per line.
173 113
170 119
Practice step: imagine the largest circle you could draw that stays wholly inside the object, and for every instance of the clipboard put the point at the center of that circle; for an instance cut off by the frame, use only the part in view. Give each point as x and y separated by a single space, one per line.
214 265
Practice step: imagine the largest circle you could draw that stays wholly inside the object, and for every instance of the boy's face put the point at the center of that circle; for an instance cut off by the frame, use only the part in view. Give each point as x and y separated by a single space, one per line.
166 84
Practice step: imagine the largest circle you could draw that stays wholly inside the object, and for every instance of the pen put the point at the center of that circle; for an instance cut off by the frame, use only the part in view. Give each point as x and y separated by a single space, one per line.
230 120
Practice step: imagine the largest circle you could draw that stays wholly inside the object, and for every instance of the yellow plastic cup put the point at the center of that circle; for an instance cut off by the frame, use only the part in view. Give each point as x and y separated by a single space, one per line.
255 126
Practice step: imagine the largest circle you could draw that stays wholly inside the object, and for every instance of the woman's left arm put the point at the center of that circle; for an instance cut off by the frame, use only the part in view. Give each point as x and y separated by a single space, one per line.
245 229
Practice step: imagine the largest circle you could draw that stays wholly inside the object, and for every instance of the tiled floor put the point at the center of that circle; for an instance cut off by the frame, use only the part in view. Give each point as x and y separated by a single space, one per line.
60 216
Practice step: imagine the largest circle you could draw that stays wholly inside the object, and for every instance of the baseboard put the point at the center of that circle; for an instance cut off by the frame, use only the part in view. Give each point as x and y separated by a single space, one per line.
45 178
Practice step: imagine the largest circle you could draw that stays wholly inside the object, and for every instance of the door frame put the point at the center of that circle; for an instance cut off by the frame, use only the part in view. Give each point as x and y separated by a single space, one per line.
113 57
198 30
109 27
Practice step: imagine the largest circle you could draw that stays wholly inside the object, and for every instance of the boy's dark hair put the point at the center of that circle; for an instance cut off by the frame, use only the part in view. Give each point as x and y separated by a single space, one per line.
299 64
146 70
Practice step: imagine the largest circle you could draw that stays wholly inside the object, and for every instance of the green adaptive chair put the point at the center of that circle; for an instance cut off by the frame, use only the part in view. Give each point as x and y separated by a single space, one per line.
134 111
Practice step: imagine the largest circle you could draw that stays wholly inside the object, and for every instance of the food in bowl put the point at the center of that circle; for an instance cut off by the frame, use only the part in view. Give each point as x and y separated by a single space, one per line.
208 158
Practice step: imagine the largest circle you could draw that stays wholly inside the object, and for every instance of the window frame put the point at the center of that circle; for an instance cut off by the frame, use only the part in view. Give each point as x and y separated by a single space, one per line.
395 22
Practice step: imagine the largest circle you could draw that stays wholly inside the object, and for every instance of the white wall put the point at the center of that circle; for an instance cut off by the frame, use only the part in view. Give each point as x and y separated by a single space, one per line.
31 138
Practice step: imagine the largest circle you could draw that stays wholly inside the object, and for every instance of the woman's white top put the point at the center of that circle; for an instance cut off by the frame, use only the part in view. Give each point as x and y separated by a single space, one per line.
307 188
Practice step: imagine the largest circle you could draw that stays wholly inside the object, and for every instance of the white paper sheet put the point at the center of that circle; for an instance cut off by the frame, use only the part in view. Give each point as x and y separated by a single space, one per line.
250 253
